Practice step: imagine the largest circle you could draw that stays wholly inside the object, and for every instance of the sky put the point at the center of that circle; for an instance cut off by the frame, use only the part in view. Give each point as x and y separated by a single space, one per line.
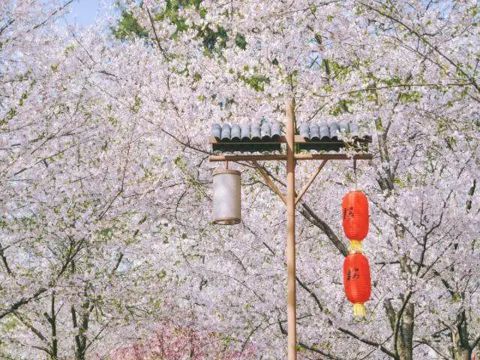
83 12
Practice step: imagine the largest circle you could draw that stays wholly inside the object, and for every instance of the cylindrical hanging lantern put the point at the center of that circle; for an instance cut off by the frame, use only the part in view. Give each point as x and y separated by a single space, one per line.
355 218
226 197
357 283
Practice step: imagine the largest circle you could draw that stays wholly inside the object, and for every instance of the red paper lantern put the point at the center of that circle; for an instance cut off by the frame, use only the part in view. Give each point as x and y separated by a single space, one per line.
357 283
355 217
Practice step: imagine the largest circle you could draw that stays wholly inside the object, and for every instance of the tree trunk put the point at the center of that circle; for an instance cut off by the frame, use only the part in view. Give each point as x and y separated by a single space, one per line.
402 325
405 334
461 348
52 320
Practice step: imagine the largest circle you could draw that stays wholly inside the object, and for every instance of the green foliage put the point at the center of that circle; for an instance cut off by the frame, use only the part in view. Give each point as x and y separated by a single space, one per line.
379 126
394 80
292 78
128 27
136 105
170 13
106 234
339 71
162 274
409 97
256 82
240 41
214 41
190 178
10 324
10 115
28 222
23 98
69 49
456 297
399 182
197 77
474 10
451 142
341 107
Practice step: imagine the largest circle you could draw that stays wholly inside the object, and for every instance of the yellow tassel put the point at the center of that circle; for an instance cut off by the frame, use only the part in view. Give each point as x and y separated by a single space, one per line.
355 247
359 311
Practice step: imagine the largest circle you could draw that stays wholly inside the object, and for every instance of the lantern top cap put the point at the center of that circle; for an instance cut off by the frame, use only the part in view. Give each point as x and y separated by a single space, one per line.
220 171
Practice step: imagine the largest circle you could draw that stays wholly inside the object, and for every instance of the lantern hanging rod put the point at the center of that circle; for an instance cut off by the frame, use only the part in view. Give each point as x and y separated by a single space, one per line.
269 157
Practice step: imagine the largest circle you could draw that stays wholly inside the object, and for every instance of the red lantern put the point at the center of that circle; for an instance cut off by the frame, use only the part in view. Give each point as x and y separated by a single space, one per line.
356 280
355 218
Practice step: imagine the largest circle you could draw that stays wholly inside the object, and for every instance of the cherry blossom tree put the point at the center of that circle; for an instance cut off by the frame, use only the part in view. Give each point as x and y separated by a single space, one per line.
23 27
69 180
105 194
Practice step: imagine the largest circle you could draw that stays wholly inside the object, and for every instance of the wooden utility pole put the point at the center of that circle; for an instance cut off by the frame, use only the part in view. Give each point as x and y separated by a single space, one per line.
291 264
291 198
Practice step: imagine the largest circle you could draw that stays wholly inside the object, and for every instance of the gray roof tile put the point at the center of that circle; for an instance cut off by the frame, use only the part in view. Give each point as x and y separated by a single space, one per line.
329 132
255 132
226 132
259 136
326 136
216 131
266 131
235 133
245 132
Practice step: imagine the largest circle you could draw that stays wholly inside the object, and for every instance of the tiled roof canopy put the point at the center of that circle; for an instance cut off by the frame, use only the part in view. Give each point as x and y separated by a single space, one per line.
326 136
247 137
268 136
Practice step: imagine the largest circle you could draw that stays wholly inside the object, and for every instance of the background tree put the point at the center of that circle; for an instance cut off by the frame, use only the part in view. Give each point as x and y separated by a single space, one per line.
69 183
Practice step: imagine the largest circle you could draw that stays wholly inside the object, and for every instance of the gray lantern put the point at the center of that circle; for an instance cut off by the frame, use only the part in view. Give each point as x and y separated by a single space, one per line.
226 197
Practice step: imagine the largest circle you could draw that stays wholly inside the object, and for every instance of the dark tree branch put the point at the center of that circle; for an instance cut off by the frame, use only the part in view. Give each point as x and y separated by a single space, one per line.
16 305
